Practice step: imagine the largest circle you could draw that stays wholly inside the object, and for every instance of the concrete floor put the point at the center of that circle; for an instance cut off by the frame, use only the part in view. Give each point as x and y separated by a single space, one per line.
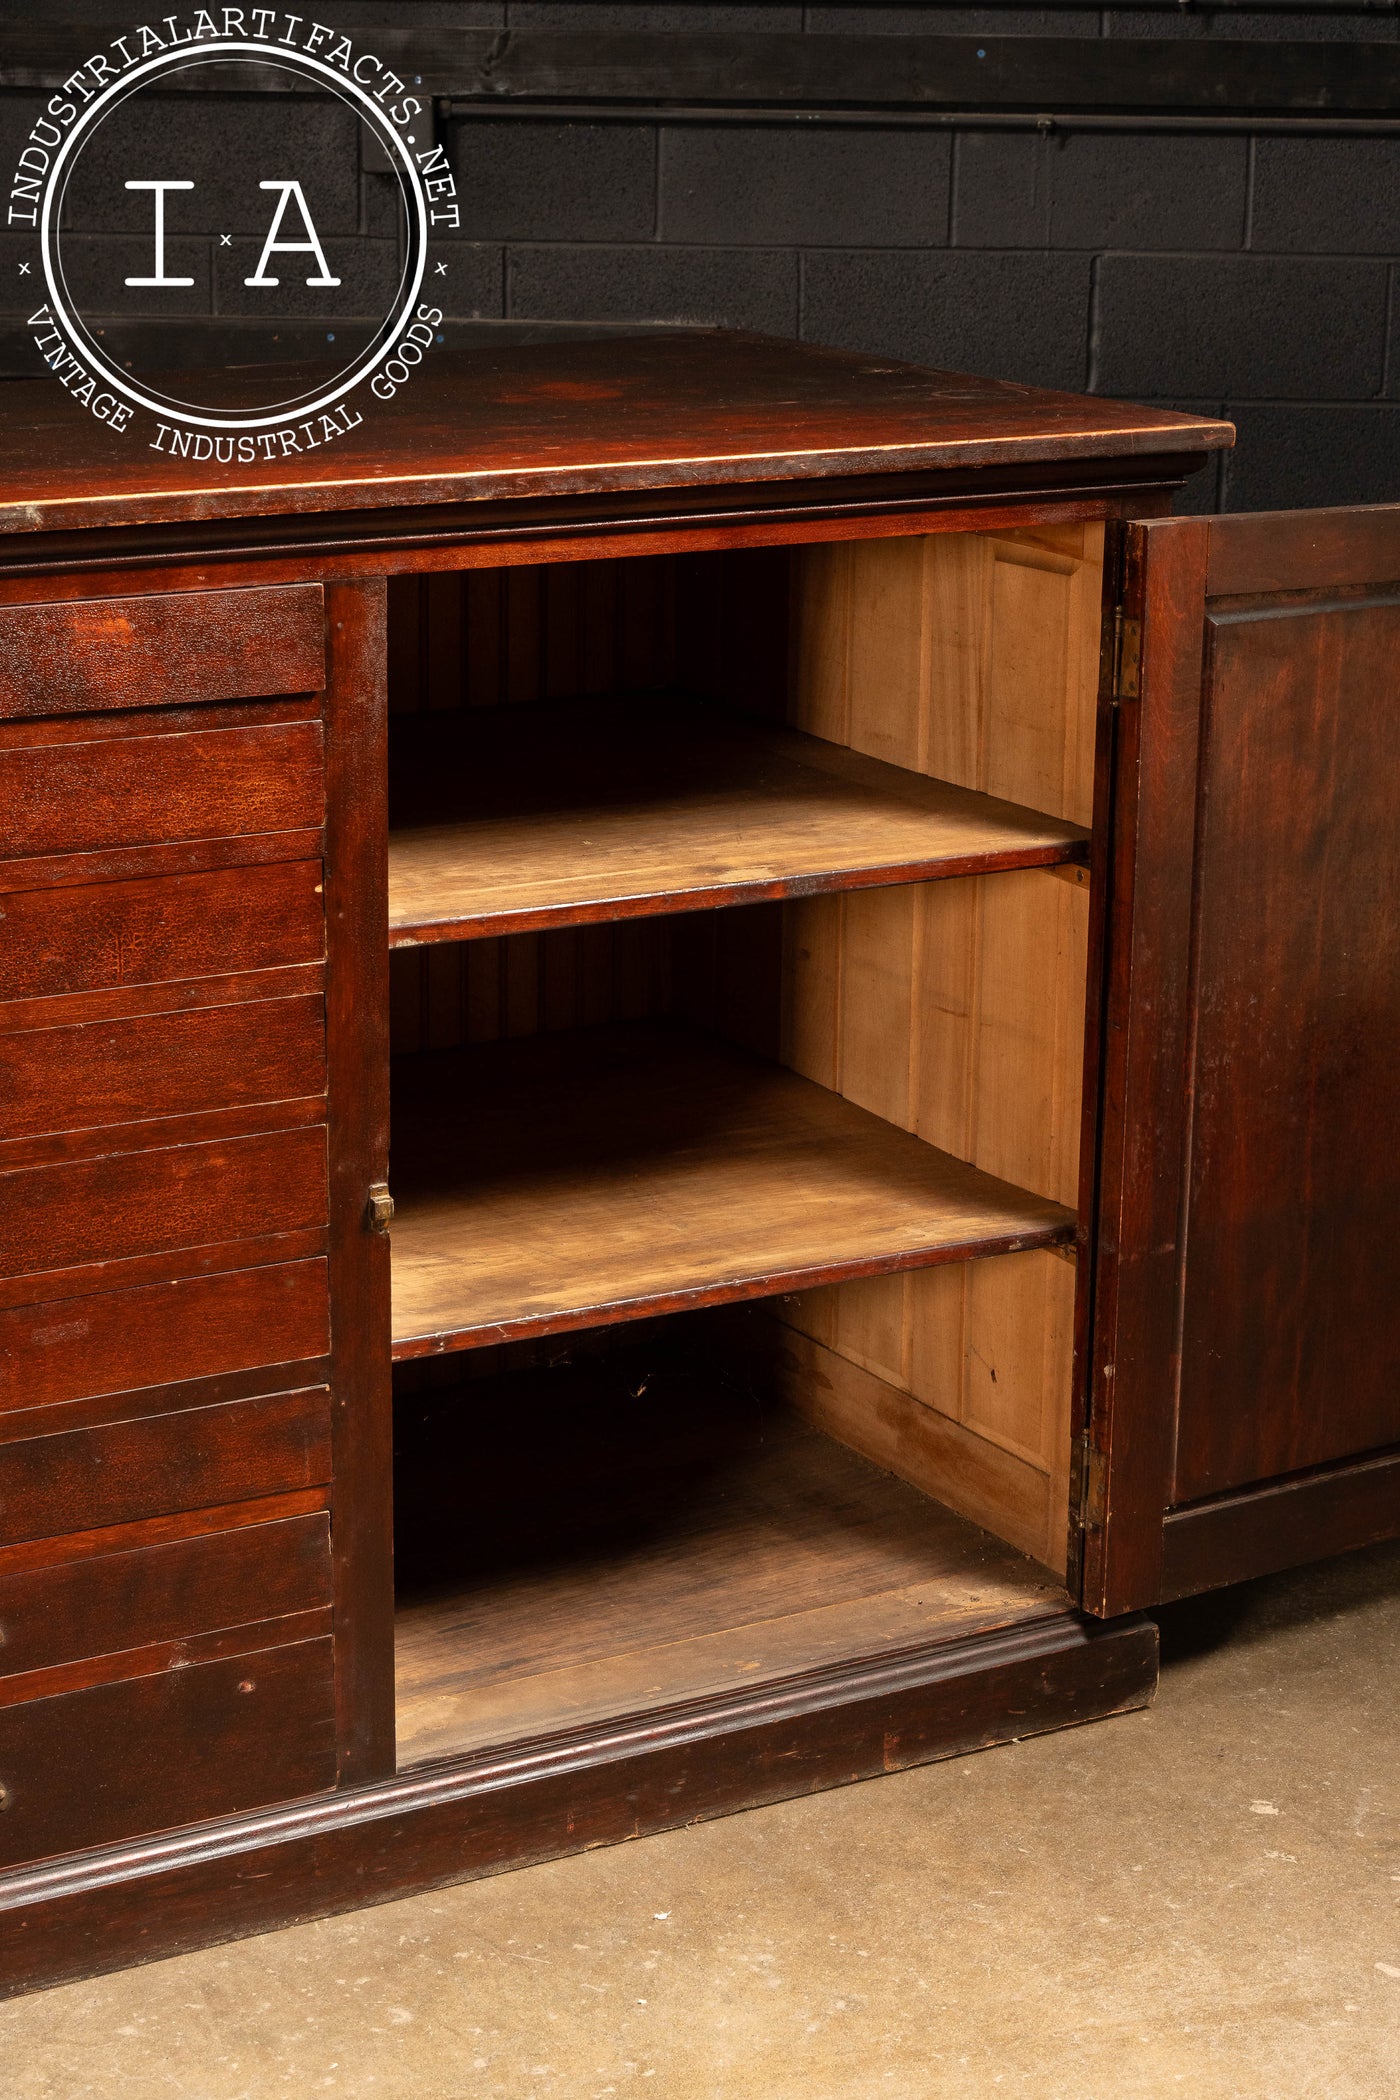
1203 1899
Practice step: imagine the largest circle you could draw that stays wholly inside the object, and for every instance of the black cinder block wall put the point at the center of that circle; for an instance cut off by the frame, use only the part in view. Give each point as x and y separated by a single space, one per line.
1237 271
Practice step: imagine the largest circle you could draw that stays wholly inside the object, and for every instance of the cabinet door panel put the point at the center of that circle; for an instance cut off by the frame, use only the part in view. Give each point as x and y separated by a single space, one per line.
1291 1307
1247 1286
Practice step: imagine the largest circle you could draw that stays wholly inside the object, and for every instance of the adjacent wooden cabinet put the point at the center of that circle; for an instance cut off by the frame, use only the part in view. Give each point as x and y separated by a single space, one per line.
695 1075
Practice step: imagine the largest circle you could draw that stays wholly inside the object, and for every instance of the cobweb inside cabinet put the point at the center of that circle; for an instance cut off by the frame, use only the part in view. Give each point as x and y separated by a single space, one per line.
739 917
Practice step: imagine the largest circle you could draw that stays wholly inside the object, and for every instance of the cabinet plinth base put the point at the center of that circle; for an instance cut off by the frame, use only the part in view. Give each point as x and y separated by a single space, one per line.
87 1913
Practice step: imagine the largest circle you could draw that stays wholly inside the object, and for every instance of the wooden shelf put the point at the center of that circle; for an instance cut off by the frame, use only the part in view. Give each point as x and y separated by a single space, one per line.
573 1180
607 1539
509 819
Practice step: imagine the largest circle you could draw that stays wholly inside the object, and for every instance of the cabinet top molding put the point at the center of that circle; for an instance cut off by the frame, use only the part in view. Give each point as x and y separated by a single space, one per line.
588 416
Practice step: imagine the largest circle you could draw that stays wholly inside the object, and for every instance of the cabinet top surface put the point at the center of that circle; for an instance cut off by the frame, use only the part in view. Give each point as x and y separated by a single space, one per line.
578 415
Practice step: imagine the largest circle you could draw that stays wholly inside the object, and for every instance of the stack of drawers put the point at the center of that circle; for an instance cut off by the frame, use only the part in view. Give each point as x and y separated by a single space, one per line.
165 1560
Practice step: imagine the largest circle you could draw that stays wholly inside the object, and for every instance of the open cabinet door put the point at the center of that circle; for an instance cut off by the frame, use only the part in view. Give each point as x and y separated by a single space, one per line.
1243 1396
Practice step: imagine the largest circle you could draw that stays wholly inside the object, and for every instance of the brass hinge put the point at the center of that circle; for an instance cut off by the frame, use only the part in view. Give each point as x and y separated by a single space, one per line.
379 1210
1088 1482
1127 658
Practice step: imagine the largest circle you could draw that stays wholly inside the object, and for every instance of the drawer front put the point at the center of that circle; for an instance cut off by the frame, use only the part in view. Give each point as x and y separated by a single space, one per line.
99 936
132 1599
160 1334
149 788
199 1458
148 1065
140 1203
67 658
152 1753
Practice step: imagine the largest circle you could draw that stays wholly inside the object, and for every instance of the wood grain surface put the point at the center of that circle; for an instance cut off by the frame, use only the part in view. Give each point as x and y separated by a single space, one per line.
568 1180
636 1532
62 659
131 1596
515 819
81 1479
153 1752
137 1202
153 787
1290 1337
628 413
67 1349
144 1066
96 936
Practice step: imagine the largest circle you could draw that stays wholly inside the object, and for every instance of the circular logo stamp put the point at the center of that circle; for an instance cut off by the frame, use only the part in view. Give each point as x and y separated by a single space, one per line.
152 205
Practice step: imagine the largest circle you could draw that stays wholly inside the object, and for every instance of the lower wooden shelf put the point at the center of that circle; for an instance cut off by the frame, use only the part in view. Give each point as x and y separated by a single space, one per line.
573 1180
606 1539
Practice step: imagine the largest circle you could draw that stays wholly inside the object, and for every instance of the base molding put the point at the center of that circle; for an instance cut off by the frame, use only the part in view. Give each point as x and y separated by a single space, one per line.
1282 1525
85 1914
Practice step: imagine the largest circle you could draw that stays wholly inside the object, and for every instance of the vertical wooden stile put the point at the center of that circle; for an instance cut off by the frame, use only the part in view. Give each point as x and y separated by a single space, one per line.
357 1018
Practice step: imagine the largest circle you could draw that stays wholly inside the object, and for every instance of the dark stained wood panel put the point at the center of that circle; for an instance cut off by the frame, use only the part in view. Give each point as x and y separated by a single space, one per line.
96 936
158 1334
95 1073
617 414
1307 1516
508 1808
117 1473
159 651
127 1598
1291 1313
568 1180
153 1202
156 1752
515 819
357 1027
581 1543
147 789
1270 551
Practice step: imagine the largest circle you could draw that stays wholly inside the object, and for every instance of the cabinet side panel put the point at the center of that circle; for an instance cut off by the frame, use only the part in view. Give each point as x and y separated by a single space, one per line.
956 1009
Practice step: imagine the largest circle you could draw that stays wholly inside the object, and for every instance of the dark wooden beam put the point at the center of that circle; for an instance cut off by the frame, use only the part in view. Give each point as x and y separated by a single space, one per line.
678 71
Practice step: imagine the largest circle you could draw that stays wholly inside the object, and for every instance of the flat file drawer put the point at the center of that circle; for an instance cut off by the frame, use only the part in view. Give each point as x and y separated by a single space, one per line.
171 648
131 1595
117 1472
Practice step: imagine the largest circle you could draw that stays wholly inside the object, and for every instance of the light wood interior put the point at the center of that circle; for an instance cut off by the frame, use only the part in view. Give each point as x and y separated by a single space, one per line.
934 1021
631 808
609 1536
573 1180
955 1010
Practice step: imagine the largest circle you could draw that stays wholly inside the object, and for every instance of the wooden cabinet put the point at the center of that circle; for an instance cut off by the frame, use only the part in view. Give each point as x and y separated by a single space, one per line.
676 1114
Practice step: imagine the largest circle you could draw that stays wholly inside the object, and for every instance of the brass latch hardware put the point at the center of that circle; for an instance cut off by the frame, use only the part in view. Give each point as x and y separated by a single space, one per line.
380 1208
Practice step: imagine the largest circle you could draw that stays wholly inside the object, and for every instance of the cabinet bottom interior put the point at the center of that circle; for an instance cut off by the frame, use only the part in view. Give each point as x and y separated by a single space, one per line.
612 1523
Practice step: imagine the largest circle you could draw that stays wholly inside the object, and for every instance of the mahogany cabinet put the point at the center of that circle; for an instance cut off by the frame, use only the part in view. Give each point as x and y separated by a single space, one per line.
695 1072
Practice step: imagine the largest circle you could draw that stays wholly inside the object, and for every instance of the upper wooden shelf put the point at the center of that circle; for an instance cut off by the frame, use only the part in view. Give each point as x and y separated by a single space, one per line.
581 811
572 1180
